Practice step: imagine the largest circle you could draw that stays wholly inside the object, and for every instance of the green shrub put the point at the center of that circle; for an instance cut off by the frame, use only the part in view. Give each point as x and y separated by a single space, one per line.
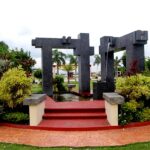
38 73
136 90
128 112
58 82
15 117
144 115
14 87
134 87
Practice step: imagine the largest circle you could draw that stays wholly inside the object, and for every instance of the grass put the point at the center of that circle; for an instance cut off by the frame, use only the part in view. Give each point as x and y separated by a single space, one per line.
77 85
36 88
136 146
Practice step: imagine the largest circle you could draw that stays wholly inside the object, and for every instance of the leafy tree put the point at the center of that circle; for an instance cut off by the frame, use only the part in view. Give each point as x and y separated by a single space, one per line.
3 46
97 60
117 62
4 51
58 58
20 57
68 68
38 73
4 58
73 61
15 58
4 66
123 58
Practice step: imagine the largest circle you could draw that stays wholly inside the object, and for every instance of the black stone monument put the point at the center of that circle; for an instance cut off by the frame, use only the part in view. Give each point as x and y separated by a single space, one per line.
133 43
81 49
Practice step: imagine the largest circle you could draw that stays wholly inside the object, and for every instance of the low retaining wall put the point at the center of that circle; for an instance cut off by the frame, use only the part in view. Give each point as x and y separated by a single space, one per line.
36 108
112 100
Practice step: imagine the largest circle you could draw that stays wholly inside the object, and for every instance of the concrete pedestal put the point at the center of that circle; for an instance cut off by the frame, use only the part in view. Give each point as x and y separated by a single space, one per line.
36 108
112 100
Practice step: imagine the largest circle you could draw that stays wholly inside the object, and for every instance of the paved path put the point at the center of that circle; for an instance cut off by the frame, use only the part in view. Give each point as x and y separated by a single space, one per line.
74 138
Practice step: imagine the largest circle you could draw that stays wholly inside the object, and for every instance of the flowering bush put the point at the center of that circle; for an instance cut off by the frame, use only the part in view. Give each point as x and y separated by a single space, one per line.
136 90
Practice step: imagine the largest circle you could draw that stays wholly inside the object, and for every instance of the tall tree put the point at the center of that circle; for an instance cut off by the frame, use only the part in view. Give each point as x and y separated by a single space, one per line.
38 73
20 57
97 60
73 61
58 58
3 46
4 66
124 59
68 68
4 51
5 63
117 62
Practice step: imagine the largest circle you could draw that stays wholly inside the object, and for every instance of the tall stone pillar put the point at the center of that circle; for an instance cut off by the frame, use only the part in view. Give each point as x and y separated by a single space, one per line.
107 58
46 64
47 74
110 66
135 58
103 66
84 63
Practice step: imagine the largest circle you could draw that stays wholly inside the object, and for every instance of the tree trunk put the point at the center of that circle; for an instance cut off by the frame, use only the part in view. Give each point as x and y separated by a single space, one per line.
57 70
75 73
68 77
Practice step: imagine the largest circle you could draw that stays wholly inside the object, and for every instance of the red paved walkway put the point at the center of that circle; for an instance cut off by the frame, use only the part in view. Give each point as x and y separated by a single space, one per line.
74 138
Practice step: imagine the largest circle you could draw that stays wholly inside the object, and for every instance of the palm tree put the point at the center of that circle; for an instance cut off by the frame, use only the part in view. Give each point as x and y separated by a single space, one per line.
117 62
73 61
124 59
97 60
68 68
58 58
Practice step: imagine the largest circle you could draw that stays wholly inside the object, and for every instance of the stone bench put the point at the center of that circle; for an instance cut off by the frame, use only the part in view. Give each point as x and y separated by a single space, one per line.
36 108
112 100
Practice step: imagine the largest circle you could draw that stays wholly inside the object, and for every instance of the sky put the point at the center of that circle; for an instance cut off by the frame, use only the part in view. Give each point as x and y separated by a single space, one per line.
24 20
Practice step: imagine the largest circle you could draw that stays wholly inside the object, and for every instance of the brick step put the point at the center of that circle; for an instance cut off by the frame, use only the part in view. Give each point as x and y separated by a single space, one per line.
70 110
74 115
74 124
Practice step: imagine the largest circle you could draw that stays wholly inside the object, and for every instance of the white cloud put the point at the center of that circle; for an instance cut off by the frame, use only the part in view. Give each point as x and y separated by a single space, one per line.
38 62
23 20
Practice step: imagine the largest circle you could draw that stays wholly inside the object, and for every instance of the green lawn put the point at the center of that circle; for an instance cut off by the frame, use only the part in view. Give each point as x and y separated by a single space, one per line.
36 88
137 146
77 85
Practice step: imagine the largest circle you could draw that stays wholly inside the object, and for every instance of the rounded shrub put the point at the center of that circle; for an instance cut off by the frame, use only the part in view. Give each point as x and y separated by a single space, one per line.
58 82
38 73
14 87
15 117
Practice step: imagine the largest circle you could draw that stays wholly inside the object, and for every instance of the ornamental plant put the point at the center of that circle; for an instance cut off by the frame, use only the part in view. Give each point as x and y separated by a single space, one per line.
58 82
136 90
14 87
